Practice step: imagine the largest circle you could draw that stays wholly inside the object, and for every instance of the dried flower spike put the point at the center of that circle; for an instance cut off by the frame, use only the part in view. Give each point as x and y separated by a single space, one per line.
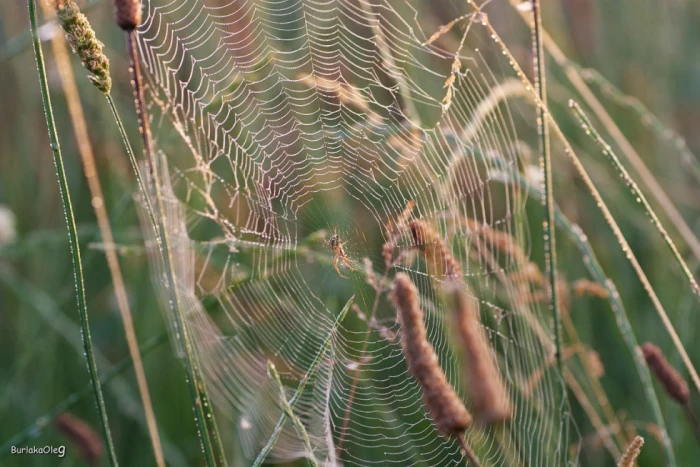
84 43
437 255
82 435
673 383
128 14
446 409
631 453
487 391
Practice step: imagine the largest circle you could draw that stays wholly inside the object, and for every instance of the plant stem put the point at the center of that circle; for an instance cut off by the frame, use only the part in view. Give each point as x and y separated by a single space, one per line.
550 246
607 151
73 237
87 157
204 418
575 233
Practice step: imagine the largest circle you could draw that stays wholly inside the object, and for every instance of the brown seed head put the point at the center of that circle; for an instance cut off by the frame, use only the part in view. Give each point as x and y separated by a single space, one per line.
127 14
673 383
84 43
631 453
82 435
444 406
487 391
437 255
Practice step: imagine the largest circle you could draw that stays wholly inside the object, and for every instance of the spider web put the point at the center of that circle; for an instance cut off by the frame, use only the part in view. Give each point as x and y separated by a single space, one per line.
281 123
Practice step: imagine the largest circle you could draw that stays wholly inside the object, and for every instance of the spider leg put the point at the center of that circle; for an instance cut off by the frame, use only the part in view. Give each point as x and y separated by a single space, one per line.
347 263
335 265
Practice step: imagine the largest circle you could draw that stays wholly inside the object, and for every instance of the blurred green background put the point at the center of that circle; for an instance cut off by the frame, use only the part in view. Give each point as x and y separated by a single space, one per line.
650 50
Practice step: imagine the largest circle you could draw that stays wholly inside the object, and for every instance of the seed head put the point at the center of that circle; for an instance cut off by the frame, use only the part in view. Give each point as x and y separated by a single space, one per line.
82 435
84 43
446 409
631 453
673 383
127 14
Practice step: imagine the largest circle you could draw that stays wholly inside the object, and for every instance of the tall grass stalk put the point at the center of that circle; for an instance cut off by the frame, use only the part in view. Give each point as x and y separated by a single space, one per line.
204 417
87 156
550 245
575 234
73 237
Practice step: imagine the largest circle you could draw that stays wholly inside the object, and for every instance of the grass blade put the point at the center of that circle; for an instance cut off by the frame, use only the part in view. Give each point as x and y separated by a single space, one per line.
73 237
610 154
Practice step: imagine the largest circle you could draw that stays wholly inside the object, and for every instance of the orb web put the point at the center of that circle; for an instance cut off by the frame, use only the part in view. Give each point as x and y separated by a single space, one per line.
280 124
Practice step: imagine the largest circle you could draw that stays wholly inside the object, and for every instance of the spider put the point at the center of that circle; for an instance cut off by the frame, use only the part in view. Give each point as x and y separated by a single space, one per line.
336 246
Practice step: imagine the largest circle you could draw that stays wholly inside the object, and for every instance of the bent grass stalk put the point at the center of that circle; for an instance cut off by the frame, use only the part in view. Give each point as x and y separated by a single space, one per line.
302 384
610 154
73 238
646 116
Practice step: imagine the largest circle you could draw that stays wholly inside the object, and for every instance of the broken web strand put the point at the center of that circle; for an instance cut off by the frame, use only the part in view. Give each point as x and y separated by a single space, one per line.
634 189
653 401
272 272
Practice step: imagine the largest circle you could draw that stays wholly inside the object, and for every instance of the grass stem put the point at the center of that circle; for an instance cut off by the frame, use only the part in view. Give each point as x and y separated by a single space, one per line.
87 157
550 245
204 418
73 238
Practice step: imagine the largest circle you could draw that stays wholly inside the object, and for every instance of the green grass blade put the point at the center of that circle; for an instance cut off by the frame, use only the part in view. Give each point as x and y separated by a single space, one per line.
301 431
73 237
632 185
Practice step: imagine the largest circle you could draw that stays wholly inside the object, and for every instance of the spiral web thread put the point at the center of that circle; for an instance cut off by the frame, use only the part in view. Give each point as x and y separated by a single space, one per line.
281 123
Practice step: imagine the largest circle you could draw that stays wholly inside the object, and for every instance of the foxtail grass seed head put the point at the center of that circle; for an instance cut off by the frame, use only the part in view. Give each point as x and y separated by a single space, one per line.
631 453
127 14
438 257
444 406
673 383
83 436
487 392
84 43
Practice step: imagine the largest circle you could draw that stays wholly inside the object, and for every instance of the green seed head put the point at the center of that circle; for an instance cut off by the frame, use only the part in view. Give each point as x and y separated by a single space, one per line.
84 43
